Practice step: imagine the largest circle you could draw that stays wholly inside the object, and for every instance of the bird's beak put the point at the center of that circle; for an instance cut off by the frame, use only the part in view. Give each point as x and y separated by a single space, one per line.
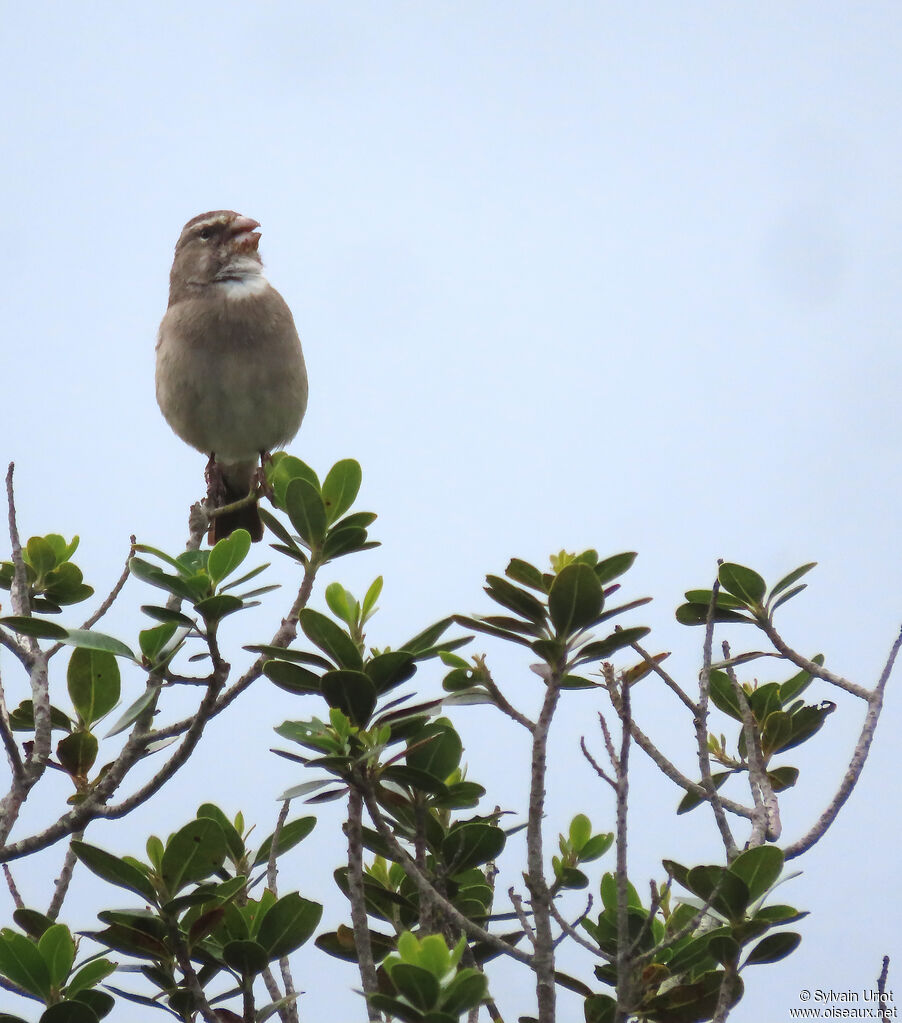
243 234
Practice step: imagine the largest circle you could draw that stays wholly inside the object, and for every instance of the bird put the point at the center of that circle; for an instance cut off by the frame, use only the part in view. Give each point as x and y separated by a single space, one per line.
230 374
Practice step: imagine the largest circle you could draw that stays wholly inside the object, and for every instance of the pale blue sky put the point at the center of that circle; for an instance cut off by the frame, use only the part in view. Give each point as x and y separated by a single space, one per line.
610 275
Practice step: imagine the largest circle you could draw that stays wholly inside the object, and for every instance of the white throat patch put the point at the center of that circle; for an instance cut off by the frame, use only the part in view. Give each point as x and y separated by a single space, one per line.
242 278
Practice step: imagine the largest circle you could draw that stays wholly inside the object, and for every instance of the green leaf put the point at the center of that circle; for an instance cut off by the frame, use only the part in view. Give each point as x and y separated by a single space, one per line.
788 595
580 831
165 615
776 733
212 609
64 585
331 639
733 896
691 800
340 488
341 603
759 868
22 718
352 692
289 468
774 947
288 924
427 638
58 951
23 964
793 576
724 949
522 572
39 554
193 853
306 510
600 1009
796 685
723 694
742 582
697 614
290 835
115 870
291 677
77 753
783 778
470 845
93 681
390 669
247 957
25 625
603 648
515 599
227 555
415 984
32 922
87 639
616 565
69 1012
90 974
441 754
135 710
575 598
234 841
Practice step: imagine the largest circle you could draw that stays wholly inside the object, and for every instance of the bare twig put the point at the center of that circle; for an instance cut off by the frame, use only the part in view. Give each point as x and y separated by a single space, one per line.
667 679
288 1013
517 903
883 1007
766 821
701 732
11 885
499 698
599 770
64 880
856 764
540 897
817 670
354 831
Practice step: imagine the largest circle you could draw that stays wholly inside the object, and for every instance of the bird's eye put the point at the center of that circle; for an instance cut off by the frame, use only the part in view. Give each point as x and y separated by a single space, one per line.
206 234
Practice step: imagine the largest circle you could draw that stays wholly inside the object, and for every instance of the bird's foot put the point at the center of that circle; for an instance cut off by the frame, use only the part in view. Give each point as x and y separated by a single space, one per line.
216 487
260 482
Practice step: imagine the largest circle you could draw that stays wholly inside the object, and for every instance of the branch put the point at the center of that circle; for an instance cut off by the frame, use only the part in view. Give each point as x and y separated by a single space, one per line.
661 673
881 991
856 764
817 670
701 732
354 831
63 881
427 890
499 698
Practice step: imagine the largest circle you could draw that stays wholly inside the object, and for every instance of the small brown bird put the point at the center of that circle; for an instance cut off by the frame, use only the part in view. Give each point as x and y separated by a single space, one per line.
231 379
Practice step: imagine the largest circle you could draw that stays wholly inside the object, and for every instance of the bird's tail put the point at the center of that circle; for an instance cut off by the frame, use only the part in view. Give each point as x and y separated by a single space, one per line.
237 480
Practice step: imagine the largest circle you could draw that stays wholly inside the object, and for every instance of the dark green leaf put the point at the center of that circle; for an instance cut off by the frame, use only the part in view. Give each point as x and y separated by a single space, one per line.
193 853
115 870
522 572
611 567
77 753
776 733
515 599
212 609
692 799
788 595
331 639
275 526
441 754
723 694
742 582
600 1009
575 598
733 894
87 639
340 488
724 599
793 576
286 469
25 625
22 718
291 677
427 638
306 510
796 685
759 868
697 614
465 992
415 984
291 833
603 648
288 924
774 947
344 540
470 845
390 669
247 957
783 778
69 1012
93 681
88 975
164 614
352 692
32 922
491 630
234 841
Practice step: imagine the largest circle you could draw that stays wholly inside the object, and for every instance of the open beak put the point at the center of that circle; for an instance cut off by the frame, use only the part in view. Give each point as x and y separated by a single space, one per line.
243 234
